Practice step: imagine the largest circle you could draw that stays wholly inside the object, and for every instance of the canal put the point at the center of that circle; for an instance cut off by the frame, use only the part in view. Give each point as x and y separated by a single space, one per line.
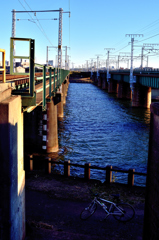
102 130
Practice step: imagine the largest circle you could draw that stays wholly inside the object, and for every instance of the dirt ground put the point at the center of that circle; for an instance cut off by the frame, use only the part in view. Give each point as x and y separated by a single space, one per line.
54 204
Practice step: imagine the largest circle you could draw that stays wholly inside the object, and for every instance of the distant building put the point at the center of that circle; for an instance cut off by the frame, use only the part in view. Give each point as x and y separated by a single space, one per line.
51 62
7 63
20 69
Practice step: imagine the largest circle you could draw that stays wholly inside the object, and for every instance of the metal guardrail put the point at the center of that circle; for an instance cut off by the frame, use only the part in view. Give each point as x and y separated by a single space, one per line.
3 69
56 76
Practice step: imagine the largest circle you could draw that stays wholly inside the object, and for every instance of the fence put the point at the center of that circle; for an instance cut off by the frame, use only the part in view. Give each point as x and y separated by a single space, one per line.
3 69
87 169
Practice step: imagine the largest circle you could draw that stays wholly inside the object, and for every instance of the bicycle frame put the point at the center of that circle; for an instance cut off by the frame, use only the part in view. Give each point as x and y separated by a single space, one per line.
112 206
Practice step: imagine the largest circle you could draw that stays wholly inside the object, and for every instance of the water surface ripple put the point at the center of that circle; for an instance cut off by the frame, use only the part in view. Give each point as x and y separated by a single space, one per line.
100 129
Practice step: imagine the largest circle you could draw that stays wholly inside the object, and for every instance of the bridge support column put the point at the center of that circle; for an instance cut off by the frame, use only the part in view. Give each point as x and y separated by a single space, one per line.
99 81
94 78
64 93
112 86
67 84
151 216
12 175
141 96
60 104
33 127
104 84
52 130
124 90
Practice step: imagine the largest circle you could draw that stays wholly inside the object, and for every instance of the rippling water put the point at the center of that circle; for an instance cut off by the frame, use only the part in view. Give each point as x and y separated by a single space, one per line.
100 129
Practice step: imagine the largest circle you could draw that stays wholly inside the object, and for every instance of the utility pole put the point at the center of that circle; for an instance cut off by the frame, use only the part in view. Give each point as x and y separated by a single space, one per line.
108 51
98 63
92 66
13 34
87 65
132 78
60 39
66 57
59 30
125 57
68 60
72 65
47 53
147 47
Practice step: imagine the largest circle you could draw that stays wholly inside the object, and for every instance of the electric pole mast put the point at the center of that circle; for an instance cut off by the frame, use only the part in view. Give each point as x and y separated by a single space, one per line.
13 34
66 57
150 47
132 79
60 39
98 64
108 51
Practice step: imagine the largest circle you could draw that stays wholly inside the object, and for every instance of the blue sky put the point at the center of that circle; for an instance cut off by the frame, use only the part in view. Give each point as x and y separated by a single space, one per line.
93 26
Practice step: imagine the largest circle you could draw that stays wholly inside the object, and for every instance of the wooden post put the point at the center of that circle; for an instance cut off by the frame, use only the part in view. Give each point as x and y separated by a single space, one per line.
108 174
87 171
131 177
67 168
31 163
48 165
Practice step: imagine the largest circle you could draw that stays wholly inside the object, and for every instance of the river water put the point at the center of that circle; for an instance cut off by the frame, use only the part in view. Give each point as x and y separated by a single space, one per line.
100 129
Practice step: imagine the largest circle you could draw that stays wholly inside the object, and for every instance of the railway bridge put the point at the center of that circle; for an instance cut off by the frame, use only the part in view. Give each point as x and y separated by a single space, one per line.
141 91
30 105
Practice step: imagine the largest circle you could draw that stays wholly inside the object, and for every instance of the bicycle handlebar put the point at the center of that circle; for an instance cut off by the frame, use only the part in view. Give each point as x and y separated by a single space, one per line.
115 196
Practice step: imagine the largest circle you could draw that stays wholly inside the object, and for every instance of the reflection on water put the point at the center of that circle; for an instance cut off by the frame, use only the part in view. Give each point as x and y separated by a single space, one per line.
100 129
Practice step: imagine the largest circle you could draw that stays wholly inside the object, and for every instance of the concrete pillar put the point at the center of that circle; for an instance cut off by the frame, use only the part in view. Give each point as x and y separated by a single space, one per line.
52 130
12 175
95 79
104 84
151 216
112 86
124 90
60 104
141 96
99 81
64 93
67 84
33 127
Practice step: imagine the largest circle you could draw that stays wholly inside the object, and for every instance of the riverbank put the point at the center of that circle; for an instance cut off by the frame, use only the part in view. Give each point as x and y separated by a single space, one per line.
54 203
80 80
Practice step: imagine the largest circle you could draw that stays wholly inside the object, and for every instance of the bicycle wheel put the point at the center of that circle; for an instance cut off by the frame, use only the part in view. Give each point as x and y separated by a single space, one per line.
127 213
87 212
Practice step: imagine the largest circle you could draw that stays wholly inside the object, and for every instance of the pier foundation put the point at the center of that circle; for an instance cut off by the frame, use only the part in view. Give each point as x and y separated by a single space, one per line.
99 82
151 216
112 86
60 107
104 84
52 130
124 91
12 175
141 96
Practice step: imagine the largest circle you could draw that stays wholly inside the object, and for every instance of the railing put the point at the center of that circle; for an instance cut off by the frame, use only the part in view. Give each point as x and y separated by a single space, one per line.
56 77
3 69
87 169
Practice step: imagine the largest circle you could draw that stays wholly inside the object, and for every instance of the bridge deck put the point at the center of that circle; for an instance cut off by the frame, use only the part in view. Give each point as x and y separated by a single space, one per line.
22 81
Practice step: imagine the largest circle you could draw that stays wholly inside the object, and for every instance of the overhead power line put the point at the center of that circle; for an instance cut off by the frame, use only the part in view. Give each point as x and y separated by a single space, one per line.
39 26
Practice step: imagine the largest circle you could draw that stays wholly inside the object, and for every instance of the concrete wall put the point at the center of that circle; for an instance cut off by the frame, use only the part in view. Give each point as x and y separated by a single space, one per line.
12 175
33 129
151 218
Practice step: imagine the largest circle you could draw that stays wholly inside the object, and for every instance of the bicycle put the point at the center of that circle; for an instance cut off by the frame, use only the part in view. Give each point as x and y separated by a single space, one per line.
121 211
